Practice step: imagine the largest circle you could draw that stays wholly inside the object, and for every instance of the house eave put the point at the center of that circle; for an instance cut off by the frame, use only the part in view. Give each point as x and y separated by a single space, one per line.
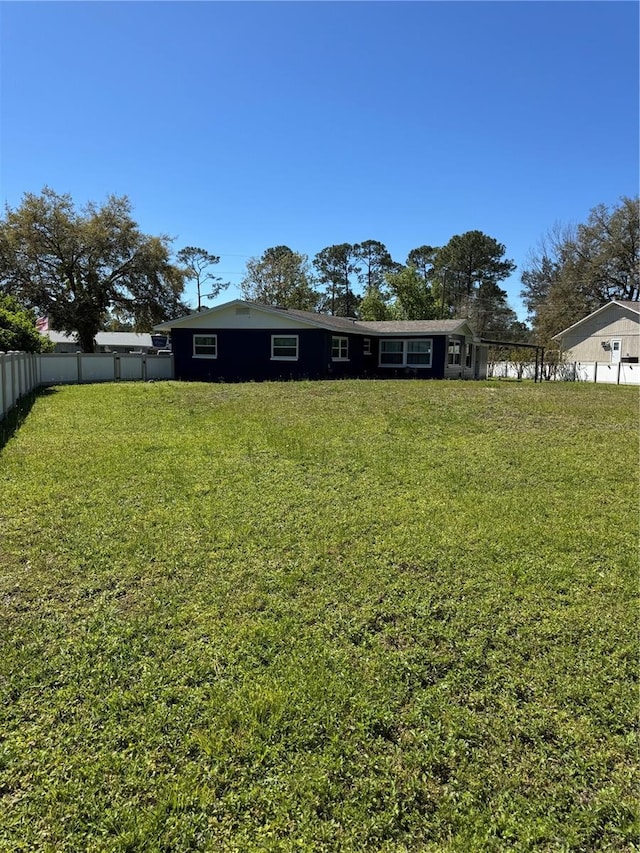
620 303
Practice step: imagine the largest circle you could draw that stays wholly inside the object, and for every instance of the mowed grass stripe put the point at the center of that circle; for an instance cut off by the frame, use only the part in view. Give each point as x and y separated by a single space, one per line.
339 616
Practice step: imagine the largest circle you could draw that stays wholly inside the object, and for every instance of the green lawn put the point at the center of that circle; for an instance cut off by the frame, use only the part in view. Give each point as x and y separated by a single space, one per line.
348 616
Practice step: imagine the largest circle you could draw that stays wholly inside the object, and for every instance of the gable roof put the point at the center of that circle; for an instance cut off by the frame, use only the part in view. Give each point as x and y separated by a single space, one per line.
335 324
622 303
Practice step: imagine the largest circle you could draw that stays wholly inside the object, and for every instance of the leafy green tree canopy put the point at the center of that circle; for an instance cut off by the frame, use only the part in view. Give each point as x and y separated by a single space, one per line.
468 270
474 258
18 328
412 295
576 269
75 265
281 277
422 259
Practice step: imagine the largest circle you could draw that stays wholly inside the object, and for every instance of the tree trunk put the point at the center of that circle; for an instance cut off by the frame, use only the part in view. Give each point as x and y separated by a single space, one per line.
86 340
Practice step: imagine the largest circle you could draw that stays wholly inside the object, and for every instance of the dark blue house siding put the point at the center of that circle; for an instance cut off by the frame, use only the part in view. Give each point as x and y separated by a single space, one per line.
245 354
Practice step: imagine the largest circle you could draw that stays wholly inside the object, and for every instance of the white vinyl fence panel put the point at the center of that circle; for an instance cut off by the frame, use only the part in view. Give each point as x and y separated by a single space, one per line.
612 374
18 376
21 373
58 368
132 367
160 367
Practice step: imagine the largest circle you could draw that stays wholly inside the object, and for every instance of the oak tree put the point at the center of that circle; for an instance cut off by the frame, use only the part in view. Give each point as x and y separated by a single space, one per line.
75 265
576 269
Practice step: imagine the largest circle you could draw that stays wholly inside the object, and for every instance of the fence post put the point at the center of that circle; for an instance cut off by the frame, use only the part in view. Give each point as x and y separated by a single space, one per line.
15 387
619 369
595 371
3 382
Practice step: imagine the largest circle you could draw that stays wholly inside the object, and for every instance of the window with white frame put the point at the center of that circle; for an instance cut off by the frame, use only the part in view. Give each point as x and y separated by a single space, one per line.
339 349
205 346
419 353
366 346
412 352
454 353
391 353
284 347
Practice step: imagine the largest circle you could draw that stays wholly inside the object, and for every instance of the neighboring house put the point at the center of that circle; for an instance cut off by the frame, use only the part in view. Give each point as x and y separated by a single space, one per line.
111 342
611 334
248 341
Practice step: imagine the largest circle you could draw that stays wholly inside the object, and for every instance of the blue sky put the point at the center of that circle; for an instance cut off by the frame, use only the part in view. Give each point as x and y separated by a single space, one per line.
237 126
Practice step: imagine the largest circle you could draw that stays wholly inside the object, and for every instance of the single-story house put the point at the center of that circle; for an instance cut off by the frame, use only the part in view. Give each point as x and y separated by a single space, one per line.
240 341
611 334
111 342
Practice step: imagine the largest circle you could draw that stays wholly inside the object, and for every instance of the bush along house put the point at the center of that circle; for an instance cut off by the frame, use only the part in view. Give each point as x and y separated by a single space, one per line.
244 341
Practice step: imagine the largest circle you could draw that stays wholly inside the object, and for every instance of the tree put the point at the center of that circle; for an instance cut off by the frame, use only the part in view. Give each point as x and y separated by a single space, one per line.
422 259
412 295
375 262
576 269
196 263
76 265
374 306
336 265
18 329
469 268
280 277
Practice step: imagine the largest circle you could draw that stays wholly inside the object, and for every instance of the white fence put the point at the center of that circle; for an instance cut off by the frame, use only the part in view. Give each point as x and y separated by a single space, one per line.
612 374
22 372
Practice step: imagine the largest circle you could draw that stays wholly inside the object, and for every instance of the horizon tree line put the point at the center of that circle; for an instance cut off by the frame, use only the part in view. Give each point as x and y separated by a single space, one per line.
93 268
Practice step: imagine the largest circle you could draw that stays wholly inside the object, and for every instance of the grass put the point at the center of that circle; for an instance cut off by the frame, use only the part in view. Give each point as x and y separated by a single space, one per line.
348 616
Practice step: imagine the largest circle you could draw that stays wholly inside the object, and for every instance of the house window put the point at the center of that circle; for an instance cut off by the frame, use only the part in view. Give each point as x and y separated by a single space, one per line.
414 352
453 353
469 356
339 349
284 348
366 346
205 346
419 353
391 353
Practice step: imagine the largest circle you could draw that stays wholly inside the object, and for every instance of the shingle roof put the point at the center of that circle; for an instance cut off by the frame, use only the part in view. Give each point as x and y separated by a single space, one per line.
632 306
396 327
390 327
338 324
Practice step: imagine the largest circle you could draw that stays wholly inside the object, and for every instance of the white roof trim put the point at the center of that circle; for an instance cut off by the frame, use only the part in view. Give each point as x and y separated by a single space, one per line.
621 303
